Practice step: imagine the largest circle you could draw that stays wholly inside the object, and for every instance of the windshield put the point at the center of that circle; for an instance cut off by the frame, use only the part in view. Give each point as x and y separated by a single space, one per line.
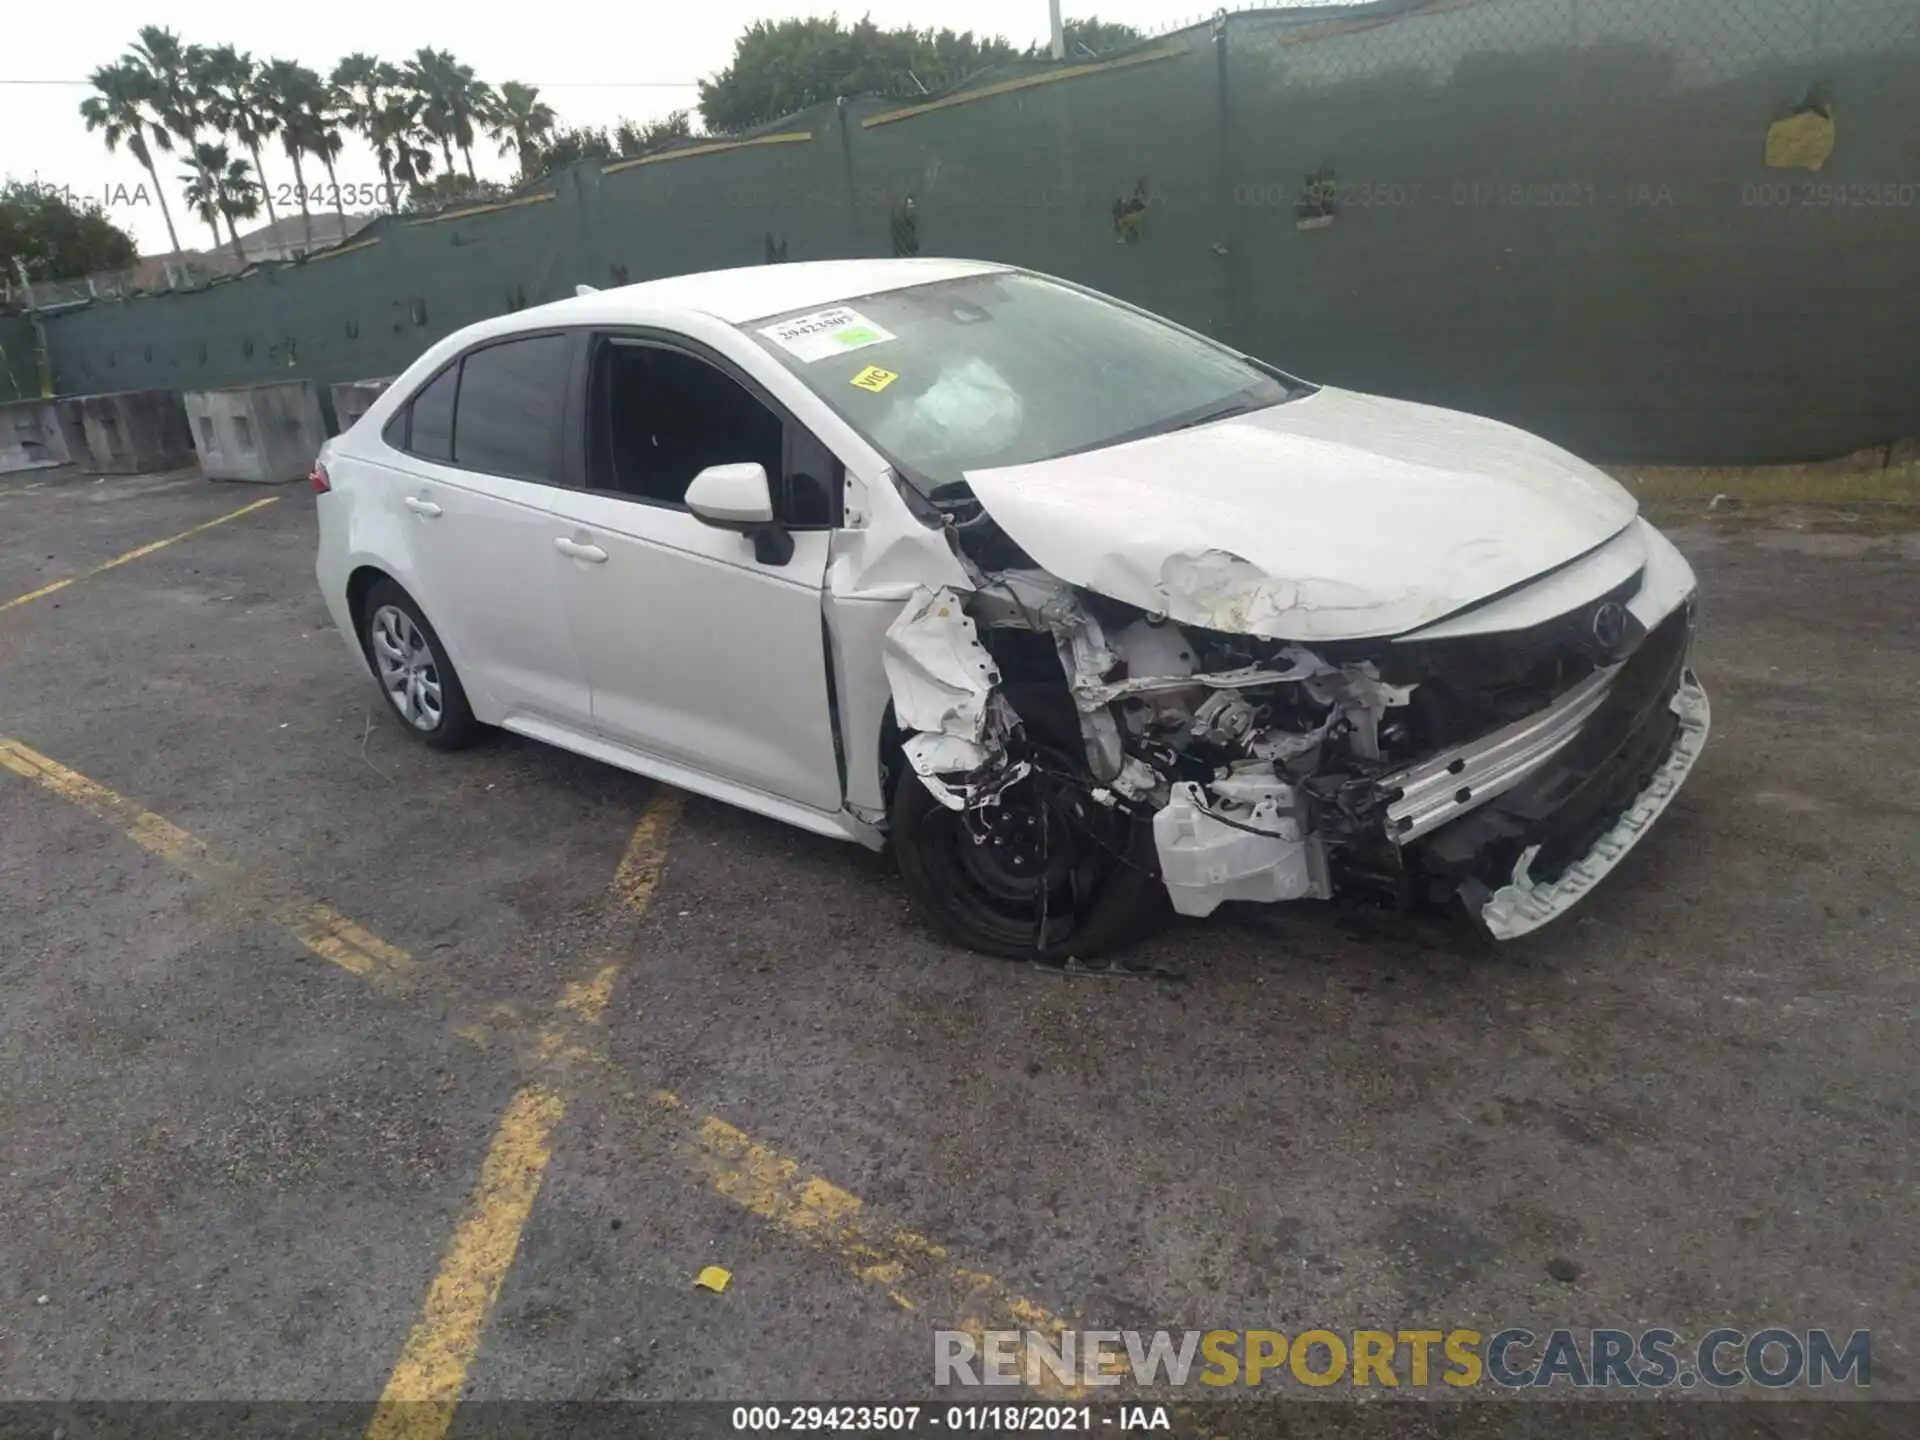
1006 368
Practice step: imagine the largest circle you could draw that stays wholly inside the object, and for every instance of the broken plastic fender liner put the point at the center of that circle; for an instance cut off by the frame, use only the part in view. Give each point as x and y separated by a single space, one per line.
943 754
939 672
934 755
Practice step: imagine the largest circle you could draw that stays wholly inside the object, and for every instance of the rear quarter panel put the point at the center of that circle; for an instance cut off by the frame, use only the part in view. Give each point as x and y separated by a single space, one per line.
361 525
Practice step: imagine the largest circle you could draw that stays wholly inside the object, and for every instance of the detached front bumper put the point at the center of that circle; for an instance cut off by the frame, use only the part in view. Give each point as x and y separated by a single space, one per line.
1544 809
1523 904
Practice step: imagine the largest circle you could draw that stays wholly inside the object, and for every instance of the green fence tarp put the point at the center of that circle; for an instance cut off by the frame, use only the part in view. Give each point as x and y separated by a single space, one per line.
1558 212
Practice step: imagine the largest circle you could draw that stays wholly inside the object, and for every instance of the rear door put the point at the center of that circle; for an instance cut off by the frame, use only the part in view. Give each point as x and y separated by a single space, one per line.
476 501
696 651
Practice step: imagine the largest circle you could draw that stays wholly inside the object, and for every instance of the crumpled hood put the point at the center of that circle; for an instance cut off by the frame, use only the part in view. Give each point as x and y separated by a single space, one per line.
1337 516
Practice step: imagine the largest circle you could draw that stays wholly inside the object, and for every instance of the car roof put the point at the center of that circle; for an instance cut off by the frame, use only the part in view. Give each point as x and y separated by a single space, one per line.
752 292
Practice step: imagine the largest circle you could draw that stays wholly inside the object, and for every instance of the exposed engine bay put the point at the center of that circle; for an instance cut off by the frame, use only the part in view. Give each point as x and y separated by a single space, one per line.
1270 770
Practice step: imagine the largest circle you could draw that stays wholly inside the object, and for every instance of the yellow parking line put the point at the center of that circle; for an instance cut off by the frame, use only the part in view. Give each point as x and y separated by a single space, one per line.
147 830
424 1389
586 1000
332 936
320 928
60 585
913 1271
646 852
420 1397
916 1273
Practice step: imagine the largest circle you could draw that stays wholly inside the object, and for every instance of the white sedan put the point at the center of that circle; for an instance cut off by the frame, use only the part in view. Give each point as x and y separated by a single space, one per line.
1080 611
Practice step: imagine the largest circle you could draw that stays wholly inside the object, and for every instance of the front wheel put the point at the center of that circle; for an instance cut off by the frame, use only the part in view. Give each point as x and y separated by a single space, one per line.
1047 874
411 664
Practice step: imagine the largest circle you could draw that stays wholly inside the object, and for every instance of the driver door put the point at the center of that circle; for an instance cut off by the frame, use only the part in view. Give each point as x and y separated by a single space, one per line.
694 650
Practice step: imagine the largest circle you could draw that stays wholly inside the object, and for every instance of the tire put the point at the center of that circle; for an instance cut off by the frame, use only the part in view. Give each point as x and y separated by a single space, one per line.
981 879
411 666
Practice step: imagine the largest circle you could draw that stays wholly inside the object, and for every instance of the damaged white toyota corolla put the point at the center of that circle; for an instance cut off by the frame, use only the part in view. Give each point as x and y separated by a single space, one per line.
1079 610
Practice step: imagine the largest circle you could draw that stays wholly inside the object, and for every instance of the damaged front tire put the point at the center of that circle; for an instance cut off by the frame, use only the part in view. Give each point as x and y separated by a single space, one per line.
1045 872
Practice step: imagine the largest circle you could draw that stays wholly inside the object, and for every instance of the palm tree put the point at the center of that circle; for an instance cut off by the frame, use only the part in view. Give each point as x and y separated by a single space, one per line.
519 119
452 101
169 66
426 79
395 136
360 84
126 107
228 83
219 185
325 142
295 100
368 98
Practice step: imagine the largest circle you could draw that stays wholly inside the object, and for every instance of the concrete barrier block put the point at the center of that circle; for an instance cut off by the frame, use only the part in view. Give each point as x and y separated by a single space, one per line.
352 399
126 432
30 436
265 434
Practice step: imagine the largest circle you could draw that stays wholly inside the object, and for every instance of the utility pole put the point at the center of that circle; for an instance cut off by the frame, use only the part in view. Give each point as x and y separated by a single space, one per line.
1059 31
42 356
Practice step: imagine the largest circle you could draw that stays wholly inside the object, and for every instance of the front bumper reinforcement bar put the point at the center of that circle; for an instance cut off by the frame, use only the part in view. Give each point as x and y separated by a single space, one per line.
1463 779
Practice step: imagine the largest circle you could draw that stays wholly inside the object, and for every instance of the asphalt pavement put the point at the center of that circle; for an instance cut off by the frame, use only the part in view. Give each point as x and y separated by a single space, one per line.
297 1016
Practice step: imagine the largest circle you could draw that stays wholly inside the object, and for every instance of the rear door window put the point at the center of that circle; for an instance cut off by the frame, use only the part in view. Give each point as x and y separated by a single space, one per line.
510 397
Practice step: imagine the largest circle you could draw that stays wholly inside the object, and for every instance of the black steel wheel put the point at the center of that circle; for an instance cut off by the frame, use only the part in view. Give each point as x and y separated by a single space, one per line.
1045 873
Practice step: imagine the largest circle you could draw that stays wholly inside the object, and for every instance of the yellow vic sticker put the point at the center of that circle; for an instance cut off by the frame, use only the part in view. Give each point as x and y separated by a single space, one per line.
874 378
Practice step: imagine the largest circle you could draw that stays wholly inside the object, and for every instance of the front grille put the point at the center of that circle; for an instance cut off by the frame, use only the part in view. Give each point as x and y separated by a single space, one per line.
1616 755
1580 794
1474 684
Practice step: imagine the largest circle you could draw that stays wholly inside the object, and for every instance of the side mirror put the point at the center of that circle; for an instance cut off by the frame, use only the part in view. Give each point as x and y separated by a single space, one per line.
738 498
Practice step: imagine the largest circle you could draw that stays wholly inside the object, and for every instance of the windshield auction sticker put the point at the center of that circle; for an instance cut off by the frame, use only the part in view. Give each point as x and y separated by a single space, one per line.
875 379
826 332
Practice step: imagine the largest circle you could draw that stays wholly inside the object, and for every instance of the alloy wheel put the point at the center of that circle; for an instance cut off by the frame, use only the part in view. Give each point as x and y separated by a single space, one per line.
408 671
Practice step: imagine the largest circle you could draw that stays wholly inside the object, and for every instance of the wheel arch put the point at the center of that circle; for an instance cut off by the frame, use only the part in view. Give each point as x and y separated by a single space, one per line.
360 584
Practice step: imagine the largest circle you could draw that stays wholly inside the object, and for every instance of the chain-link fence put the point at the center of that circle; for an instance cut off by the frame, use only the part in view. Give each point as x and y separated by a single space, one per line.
1680 230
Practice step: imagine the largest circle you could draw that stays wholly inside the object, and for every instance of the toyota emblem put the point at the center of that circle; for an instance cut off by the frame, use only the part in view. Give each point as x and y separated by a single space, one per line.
1610 625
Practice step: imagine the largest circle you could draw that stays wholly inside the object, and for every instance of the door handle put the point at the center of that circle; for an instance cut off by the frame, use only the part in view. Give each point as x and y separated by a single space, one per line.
574 550
422 507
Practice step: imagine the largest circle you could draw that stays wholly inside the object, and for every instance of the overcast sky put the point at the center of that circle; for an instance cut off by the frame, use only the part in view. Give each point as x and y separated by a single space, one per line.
585 55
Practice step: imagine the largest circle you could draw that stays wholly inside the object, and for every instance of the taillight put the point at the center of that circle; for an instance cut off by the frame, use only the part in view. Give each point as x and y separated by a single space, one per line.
318 479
